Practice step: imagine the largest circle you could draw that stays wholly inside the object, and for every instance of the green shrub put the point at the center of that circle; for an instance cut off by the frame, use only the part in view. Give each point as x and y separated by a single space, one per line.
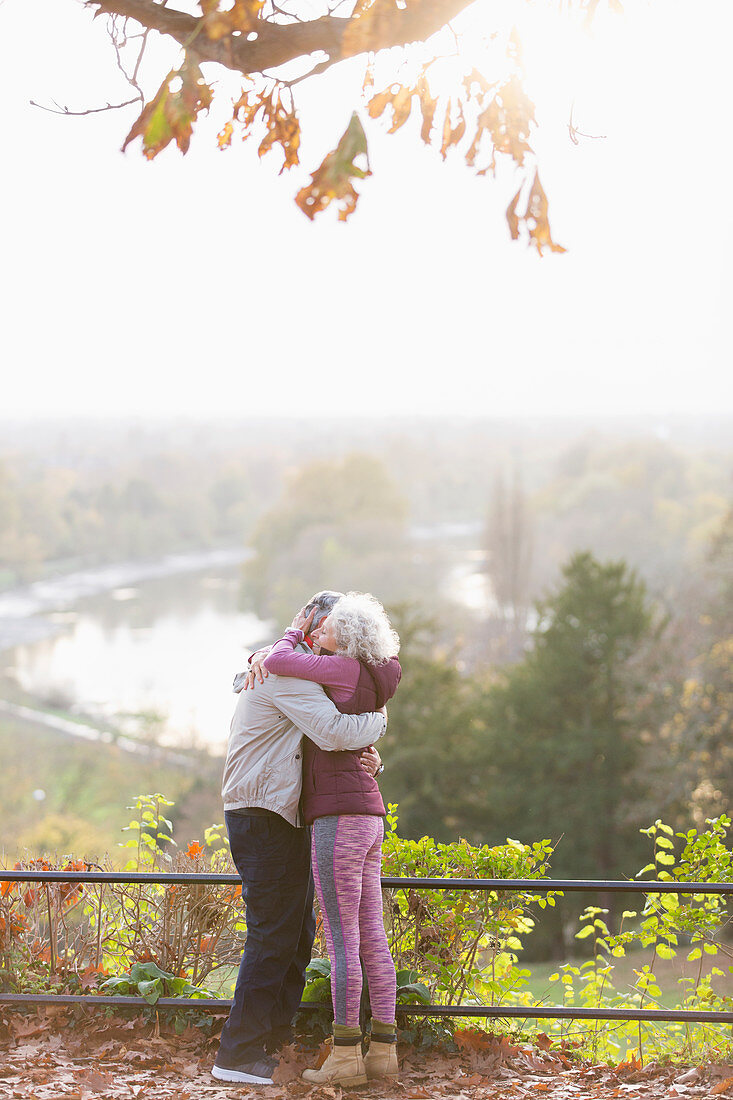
450 946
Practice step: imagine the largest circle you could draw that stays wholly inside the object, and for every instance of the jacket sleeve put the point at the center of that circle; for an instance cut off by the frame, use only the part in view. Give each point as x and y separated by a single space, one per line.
333 672
309 708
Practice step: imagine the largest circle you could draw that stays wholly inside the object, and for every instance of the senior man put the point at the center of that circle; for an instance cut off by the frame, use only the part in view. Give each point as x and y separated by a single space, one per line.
271 851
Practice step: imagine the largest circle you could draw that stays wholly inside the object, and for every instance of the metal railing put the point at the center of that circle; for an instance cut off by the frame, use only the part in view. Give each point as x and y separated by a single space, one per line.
534 1012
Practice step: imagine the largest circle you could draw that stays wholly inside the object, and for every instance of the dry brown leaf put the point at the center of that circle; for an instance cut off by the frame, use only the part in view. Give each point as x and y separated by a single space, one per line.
99 1083
400 100
428 106
533 1062
633 1064
224 137
170 115
401 107
722 1086
536 222
291 1064
332 180
452 134
378 102
259 107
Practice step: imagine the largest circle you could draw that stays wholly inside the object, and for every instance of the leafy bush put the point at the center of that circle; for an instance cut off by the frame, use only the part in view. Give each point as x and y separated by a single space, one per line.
450 946
666 922
463 943
70 937
150 982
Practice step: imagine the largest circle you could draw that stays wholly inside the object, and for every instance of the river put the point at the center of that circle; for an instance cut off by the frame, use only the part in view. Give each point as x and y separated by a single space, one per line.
150 649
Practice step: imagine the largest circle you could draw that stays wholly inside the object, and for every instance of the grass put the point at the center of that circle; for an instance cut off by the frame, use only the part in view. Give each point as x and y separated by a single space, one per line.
668 973
65 795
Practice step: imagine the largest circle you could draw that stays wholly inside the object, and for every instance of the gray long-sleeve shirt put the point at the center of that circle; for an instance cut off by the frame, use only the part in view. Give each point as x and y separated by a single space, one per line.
264 757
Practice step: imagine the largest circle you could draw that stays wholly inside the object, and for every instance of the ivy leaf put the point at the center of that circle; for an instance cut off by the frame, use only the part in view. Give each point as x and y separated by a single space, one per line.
150 990
333 179
139 972
116 985
319 967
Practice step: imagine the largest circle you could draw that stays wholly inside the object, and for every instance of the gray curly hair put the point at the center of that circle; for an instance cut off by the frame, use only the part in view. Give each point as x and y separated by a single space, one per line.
362 629
323 603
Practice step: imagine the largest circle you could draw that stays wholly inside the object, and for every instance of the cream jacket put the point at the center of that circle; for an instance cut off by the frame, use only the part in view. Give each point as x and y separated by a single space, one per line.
264 757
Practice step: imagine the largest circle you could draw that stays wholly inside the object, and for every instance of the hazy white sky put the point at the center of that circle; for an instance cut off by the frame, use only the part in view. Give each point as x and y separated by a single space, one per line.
194 284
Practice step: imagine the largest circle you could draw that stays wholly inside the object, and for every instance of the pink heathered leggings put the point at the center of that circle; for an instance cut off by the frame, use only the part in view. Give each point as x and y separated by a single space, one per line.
347 854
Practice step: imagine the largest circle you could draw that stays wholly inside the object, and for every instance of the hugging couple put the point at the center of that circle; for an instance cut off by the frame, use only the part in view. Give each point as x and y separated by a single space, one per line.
299 793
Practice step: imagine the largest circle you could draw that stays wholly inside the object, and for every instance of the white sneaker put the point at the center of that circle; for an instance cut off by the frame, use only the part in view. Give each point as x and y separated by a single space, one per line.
253 1073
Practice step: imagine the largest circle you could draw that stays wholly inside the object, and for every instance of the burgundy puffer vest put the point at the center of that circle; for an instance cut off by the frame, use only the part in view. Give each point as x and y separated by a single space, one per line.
335 782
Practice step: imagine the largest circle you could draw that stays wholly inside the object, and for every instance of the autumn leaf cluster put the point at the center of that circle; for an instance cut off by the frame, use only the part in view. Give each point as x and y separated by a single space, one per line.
477 118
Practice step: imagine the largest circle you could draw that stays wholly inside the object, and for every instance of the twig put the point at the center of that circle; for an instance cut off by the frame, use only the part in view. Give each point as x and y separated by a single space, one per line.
320 68
575 133
118 47
99 927
277 10
51 930
90 111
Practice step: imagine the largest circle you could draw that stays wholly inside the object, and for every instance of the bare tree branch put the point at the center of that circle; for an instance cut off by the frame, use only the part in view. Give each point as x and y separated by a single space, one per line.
277 43
118 45
57 110
320 68
119 40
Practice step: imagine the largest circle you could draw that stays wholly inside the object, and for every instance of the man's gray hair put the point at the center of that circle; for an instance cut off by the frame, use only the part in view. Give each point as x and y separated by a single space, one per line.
324 603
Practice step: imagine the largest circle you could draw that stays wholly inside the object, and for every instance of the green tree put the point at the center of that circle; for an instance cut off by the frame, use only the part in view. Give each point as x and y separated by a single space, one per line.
339 525
436 726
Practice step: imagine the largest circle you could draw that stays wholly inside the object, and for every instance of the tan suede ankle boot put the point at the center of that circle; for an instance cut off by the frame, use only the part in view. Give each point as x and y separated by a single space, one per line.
344 1065
381 1058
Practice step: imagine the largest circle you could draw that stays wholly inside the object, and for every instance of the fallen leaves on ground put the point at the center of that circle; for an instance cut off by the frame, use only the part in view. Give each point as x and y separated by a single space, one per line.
62 1057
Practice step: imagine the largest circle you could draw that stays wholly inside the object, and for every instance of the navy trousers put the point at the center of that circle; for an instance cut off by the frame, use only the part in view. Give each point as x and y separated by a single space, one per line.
273 859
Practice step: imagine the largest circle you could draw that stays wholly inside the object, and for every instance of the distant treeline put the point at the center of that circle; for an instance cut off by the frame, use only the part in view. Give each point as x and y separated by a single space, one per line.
533 492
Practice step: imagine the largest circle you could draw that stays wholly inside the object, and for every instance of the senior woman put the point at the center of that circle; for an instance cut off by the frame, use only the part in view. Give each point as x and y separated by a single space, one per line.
359 670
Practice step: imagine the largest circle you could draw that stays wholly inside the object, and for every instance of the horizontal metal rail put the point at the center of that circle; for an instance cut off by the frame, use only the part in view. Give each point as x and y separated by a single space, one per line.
535 1012
503 1012
540 885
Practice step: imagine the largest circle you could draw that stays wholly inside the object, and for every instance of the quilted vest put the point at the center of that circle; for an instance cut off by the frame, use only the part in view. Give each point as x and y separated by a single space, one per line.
336 782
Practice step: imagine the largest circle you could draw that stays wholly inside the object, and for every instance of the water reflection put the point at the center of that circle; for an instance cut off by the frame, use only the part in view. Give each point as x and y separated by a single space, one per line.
168 647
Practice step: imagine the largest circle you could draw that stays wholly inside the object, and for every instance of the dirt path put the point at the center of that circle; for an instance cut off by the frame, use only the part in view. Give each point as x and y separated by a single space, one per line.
59 1057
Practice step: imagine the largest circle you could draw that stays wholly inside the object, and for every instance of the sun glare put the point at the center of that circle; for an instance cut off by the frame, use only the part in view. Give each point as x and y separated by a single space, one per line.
554 46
